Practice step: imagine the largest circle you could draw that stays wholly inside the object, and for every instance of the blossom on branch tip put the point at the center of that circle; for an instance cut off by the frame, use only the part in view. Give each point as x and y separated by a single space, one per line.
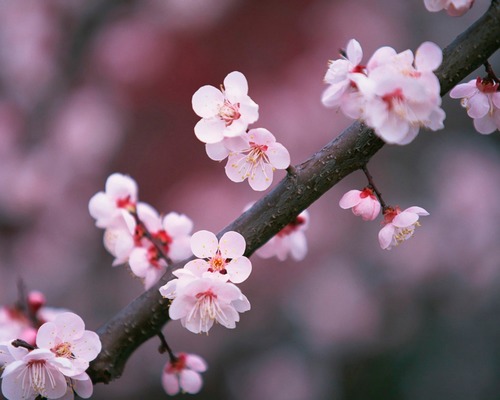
290 240
226 112
399 225
256 156
455 8
183 374
118 199
364 203
481 98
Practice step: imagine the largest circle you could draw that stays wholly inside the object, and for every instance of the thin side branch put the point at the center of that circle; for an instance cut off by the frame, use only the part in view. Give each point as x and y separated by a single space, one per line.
305 183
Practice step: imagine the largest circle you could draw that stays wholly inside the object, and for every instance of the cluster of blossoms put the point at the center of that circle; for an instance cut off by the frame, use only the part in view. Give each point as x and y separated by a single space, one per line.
225 115
398 226
394 93
204 291
481 98
52 362
455 8
136 233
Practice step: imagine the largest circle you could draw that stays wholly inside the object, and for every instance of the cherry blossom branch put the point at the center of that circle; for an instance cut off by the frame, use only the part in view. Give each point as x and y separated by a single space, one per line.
303 185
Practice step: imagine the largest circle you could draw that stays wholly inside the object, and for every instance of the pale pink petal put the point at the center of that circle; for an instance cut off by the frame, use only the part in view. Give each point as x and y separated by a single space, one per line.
210 130
196 363
121 186
249 111
88 346
241 304
153 275
496 99
177 224
47 335
435 5
170 383
485 125
138 261
350 199
381 56
69 326
332 95
410 135
180 248
261 177
237 169
478 106
278 155
232 244
239 269
404 219
100 207
197 267
417 210
216 151
190 381
235 86
204 244
206 101
385 236
83 386
181 306
354 52
464 90
428 56
298 245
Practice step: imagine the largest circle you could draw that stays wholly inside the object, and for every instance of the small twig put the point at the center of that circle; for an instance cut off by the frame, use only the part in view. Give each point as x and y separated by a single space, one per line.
164 347
372 186
490 72
22 343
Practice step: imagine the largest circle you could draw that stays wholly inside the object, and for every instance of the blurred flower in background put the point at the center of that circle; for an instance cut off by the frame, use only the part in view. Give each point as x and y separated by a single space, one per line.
90 88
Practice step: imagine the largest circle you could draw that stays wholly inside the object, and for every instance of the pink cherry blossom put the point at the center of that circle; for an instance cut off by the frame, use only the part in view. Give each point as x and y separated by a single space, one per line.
455 8
183 374
395 93
481 98
171 233
223 258
226 112
120 196
399 225
206 300
339 75
403 94
34 373
290 240
67 338
364 203
256 157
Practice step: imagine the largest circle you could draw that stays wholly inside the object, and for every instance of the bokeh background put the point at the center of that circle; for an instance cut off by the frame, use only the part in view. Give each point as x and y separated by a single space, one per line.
91 87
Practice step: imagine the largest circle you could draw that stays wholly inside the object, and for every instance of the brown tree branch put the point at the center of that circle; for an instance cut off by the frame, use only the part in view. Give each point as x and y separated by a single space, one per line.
304 184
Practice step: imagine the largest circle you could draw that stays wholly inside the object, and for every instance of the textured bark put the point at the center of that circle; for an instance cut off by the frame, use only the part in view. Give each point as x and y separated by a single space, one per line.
304 184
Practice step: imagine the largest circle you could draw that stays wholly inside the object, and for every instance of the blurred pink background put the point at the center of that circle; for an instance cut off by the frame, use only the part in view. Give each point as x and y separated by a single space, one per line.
88 88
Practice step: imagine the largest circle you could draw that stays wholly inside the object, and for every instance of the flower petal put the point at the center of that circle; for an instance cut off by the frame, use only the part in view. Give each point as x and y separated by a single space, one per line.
204 244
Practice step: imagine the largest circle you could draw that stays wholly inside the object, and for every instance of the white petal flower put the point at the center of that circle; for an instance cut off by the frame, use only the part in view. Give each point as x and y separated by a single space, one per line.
226 112
255 158
183 374
399 225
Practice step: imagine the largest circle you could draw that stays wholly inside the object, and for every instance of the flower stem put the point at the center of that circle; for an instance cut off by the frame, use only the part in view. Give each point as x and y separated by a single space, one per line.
372 186
490 72
164 347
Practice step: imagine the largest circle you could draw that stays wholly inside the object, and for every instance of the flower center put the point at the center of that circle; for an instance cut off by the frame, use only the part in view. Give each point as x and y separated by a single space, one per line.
63 350
393 99
218 264
402 234
126 203
176 366
229 112
257 152
486 85
35 377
